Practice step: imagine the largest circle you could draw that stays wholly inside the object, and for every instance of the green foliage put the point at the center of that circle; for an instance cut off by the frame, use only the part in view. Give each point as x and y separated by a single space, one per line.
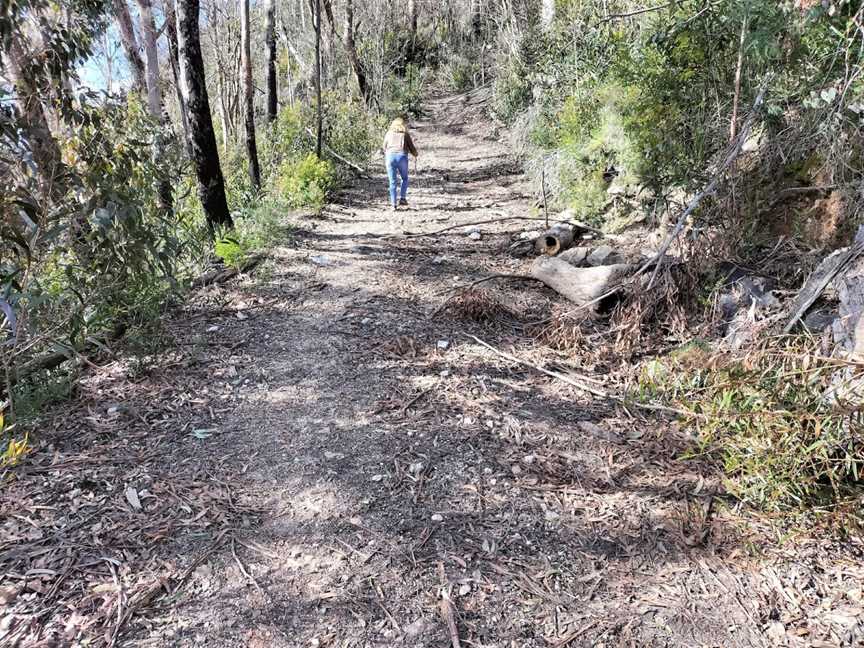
230 251
307 182
461 73
769 419
351 130
404 92
104 252
653 94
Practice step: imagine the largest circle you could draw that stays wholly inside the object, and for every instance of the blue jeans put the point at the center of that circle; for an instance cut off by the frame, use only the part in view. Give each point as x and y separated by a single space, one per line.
397 163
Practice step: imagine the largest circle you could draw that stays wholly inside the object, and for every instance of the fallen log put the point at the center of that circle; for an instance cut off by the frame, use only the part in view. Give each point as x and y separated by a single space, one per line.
54 359
220 275
556 239
579 285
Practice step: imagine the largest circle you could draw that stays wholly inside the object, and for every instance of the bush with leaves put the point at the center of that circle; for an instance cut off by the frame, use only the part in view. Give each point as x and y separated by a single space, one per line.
771 419
306 182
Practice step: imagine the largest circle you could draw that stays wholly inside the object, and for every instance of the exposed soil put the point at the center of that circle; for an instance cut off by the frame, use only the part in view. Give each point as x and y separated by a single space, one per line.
316 459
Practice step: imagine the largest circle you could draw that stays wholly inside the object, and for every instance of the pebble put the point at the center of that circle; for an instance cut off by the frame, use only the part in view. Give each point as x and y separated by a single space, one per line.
212 329
377 478
437 517
321 260
443 344
475 236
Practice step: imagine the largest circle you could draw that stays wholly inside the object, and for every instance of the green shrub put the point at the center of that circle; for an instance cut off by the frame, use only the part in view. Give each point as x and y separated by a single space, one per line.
352 130
307 182
461 73
404 93
768 419
512 94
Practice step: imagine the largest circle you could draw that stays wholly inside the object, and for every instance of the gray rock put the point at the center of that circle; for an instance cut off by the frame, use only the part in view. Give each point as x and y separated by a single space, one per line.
818 320
321 260
603 255
575 256
420 627
599 433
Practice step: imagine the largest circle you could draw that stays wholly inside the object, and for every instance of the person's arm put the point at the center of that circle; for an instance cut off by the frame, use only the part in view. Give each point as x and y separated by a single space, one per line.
409 144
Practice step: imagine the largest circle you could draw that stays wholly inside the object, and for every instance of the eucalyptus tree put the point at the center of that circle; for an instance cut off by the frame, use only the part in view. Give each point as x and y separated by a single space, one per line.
248 97
205 155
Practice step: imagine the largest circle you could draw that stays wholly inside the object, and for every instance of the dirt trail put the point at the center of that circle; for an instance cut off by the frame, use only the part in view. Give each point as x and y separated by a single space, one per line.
391 456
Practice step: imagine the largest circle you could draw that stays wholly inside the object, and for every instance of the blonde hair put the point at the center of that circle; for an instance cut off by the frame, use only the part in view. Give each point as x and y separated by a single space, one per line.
398 125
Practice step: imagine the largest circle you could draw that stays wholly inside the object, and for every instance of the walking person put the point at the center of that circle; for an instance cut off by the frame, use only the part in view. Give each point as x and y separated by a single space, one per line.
397 145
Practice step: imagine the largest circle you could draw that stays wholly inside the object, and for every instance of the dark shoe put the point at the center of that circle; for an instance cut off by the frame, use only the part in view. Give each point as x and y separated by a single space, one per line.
393 208
403 202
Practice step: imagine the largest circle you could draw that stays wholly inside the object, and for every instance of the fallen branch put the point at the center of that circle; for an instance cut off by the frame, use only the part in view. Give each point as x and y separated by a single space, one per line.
343 160
54 359
637 12
708 190
808 295
243 571
446 608
501 219
221 275
485 279
582 386
450 619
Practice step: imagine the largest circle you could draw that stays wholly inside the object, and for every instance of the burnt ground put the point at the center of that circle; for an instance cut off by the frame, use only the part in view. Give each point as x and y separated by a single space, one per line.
312 460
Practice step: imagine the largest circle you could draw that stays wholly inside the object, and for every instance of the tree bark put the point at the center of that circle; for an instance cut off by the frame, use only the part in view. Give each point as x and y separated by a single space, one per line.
154 96
130 45
316 23
733 122
248 98
351 51
270 38
43 146
412 19
171 31
547 16
205 155
151 59
556 239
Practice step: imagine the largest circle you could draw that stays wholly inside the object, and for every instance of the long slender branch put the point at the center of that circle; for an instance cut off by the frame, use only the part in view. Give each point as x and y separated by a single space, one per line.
638 12
707 191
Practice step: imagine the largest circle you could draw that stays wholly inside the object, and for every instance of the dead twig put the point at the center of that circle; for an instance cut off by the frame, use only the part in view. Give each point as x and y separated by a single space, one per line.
446 609
488 221
243 571
584 387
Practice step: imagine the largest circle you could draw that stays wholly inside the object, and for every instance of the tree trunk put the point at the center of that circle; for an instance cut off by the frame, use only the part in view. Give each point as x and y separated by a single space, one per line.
351 51
43 146
270 37
412 19
547 16
248 98
151 57
205 155
130 44
556 239
171 31
733 122
316 23
154 95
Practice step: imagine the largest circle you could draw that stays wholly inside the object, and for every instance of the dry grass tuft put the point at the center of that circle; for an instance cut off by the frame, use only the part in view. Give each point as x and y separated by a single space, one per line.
563 332
477 306
643 315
